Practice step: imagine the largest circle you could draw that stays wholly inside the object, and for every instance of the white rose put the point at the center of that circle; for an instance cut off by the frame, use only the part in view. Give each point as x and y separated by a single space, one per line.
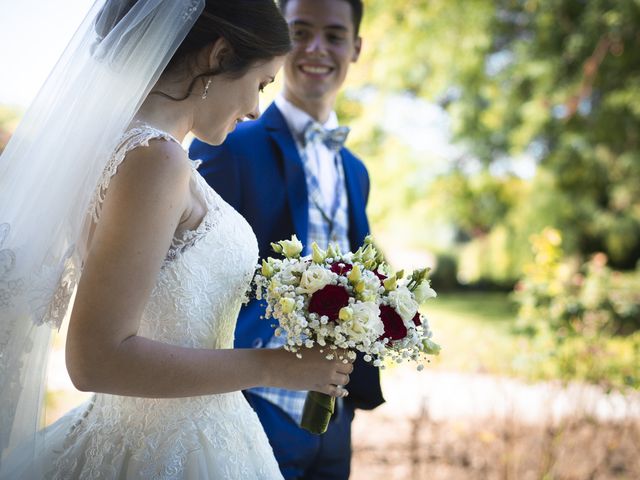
291 272
424 292
287 277
364 322
402 300
314 279
371 286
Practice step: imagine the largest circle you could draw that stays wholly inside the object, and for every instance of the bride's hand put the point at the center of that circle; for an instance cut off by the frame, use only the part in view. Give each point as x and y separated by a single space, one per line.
313 372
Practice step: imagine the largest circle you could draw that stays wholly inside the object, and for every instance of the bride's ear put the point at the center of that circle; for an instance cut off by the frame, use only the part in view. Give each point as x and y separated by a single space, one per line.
218 52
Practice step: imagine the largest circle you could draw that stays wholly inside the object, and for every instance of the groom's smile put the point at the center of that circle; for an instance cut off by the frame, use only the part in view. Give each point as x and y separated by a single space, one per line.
315 70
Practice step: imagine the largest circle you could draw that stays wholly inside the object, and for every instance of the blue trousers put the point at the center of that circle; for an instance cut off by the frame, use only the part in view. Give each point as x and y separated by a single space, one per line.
302 455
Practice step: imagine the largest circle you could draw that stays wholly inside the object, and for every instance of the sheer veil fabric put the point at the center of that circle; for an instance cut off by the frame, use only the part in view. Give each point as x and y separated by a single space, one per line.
48 174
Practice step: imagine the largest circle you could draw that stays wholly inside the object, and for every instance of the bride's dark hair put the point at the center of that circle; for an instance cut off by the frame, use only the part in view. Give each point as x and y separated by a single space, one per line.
254 29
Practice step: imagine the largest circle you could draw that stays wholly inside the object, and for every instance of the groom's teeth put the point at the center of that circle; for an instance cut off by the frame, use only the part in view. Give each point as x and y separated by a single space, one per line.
315 70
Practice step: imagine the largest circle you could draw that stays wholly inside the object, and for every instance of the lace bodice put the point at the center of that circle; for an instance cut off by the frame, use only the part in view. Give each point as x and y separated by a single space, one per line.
195 303
206 272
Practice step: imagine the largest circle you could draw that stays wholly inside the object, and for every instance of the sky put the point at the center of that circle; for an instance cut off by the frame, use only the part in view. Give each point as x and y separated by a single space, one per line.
33 34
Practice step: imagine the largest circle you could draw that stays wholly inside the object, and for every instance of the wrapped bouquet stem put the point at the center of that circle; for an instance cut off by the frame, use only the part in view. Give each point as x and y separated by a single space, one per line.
318 409
343 304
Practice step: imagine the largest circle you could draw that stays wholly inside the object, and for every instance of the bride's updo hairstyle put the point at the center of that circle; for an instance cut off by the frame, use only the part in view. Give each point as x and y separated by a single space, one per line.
254 29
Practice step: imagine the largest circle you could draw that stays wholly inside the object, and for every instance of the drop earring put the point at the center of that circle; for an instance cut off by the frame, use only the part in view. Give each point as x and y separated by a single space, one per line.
206 89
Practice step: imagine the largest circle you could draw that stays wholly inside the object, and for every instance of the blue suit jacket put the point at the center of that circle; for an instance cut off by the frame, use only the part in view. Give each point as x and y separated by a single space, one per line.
259 172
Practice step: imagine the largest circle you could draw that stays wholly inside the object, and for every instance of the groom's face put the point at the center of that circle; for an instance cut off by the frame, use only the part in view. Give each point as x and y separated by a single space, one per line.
324 45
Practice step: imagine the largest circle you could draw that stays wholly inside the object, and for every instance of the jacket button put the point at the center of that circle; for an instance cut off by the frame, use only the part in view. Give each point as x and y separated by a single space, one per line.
257 343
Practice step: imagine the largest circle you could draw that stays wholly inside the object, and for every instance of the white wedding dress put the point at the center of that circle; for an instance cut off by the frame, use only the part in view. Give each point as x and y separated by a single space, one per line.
195 303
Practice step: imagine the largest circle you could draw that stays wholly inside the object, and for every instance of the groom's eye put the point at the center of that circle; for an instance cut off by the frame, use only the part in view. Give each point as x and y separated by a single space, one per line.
298 34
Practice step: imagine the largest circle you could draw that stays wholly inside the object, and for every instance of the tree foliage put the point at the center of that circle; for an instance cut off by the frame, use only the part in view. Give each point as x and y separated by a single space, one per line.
555 80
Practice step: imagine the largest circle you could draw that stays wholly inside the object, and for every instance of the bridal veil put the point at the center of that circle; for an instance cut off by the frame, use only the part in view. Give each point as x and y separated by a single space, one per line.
48 174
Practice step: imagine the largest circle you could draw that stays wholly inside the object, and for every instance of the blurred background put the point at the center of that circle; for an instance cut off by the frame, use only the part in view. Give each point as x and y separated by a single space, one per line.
503 144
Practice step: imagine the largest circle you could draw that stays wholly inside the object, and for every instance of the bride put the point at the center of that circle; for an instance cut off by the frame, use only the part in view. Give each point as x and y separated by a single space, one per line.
98 197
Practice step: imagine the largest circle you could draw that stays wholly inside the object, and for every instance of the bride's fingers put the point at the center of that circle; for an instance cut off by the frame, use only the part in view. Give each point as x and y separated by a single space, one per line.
347 355
341 379
345 368
337 391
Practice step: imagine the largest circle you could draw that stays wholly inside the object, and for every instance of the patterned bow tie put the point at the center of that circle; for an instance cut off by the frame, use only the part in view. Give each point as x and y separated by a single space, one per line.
333 139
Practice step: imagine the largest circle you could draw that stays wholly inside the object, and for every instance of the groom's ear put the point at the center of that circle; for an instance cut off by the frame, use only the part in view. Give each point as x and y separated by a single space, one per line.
357 47
218 52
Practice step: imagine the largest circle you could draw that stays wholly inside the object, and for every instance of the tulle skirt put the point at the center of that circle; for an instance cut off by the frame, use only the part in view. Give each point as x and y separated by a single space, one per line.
113 437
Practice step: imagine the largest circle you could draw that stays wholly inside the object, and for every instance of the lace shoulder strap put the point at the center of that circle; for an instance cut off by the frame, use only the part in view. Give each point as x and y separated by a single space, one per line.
133 138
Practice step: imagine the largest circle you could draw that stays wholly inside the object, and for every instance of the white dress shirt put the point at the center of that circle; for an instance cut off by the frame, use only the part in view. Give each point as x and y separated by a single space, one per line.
322 161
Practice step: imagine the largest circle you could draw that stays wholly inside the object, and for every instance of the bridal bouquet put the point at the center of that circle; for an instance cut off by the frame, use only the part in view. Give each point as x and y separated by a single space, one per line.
344 303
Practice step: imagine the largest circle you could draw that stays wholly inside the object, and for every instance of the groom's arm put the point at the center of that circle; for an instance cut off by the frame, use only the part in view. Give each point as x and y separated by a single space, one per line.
364 180
220 168
364 389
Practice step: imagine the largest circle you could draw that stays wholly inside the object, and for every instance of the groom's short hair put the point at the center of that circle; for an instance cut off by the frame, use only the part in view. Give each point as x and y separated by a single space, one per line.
356 12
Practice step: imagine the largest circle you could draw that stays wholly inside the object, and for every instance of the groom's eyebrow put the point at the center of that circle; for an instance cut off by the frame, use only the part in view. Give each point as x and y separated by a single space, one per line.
303 23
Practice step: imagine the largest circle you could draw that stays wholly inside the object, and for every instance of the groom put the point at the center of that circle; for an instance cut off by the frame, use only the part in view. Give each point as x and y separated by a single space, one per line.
288 173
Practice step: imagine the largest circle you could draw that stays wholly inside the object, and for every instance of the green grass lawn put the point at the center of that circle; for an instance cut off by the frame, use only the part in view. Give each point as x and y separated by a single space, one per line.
474 330
475 333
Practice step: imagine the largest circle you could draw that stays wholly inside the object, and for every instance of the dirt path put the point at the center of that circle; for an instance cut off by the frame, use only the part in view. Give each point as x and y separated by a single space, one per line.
451 395
438 425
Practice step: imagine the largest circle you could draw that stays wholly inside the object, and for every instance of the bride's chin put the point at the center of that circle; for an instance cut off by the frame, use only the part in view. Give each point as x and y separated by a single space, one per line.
214 139
217 140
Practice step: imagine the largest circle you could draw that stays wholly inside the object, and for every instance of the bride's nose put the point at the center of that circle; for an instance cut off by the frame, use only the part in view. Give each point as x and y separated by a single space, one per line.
254 114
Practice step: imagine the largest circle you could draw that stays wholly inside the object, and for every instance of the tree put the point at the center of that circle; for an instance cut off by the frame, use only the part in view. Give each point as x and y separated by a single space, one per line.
558 80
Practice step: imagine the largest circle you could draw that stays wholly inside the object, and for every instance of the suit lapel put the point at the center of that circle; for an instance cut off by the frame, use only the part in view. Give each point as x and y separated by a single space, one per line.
294 176
358 225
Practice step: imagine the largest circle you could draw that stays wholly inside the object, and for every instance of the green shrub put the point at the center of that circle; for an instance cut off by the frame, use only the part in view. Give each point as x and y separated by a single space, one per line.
583 318
489 261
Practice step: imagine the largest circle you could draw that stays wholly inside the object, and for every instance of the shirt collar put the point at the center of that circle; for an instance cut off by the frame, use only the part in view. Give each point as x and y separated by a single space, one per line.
298 119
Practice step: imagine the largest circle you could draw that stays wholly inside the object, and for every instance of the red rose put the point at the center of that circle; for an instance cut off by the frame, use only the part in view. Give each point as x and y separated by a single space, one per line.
328 301
394 328
341 268
416 319
381 276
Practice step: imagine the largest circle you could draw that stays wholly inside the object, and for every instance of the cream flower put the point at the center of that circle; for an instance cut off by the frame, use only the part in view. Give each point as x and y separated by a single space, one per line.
318 254
267 268
424 292
364 322
346 313
402 300
355 274
315 278
291 272
289 248
287 304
